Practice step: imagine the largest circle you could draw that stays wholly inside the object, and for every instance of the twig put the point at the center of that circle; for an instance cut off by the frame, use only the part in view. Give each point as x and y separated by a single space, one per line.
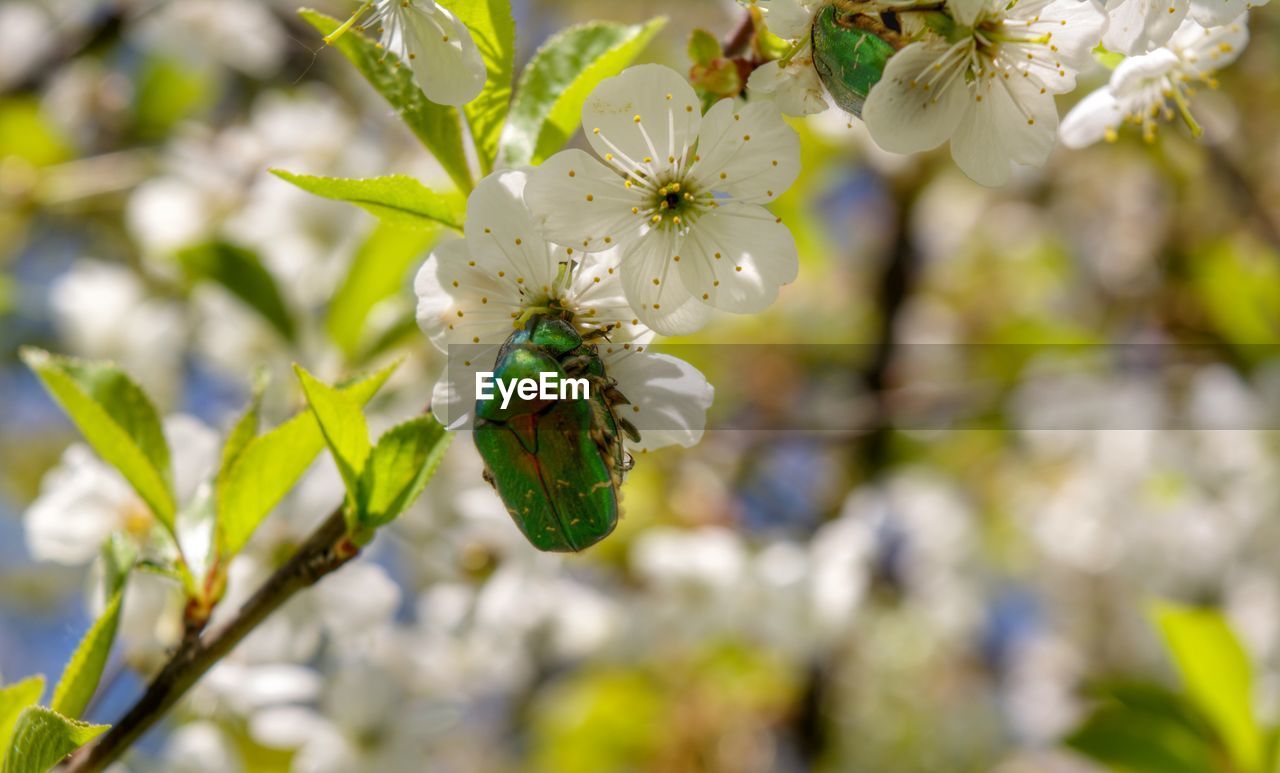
328 548
737 40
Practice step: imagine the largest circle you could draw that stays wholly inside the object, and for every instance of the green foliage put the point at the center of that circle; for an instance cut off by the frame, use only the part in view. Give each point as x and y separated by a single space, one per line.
1210 725
43 737
241 272
342 423
395 199
1239 290
439 127
377 272
402 462
381 480
1216 674
116 418
80 677
269 465
26 134
1145 728
14 699
168 91
558 80
704 48
494 31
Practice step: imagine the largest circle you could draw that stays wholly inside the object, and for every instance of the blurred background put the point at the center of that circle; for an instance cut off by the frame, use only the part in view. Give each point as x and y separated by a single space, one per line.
965 452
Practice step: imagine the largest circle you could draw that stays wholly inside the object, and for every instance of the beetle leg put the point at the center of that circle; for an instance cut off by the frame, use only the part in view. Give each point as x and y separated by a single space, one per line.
630 430
615 397
488 477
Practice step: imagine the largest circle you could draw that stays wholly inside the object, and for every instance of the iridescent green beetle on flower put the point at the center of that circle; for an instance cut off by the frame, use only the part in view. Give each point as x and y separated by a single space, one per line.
557 464
851 49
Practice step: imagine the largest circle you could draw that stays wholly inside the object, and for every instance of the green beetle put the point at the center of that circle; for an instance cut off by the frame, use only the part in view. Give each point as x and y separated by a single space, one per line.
851 50
556 463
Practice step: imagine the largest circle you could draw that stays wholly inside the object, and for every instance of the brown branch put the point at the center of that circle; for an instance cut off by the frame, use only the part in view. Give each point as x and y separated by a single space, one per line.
736 42
327 549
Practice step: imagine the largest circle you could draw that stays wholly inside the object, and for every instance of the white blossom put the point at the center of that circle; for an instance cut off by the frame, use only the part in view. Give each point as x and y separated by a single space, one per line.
83 500
679 194
1144 89
474 292
439 48
990 91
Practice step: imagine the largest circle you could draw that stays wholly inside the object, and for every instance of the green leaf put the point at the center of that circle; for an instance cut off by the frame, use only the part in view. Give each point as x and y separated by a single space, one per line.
439 127
558 80
494 31
43 738
405 458
704 48
243 275
119 556
343 425
1140 742
116 419
243 433
270 465
395 199
80 677
13 699
1216 674
378 271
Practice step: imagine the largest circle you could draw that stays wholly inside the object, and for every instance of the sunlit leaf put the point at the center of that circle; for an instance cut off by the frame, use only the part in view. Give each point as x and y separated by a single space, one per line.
1216 674
43 738
14 698
80 678
116 418
396 199
439 127
378 271
557 81
342 423
270 465
400 466
494 31
242 274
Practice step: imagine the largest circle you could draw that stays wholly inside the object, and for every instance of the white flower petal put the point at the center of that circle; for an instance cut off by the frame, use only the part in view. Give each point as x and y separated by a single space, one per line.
1215 13
462 301
796 88
1090 119
1138 26
913 108
788 19
749 153
664 305
669 398
966 12
454 395
664 102
1073 27
736 256
445 61
1013 123
81 501
1205 50
580 203
502 235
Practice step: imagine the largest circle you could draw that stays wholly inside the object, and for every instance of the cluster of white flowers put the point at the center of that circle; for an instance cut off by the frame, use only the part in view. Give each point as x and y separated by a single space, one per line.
667 225
984 74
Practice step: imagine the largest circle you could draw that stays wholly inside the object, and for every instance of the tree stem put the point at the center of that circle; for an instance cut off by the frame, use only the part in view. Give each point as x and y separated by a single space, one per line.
327 549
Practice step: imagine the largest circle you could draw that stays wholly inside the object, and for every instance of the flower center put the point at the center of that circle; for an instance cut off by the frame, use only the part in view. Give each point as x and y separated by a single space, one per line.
675 204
